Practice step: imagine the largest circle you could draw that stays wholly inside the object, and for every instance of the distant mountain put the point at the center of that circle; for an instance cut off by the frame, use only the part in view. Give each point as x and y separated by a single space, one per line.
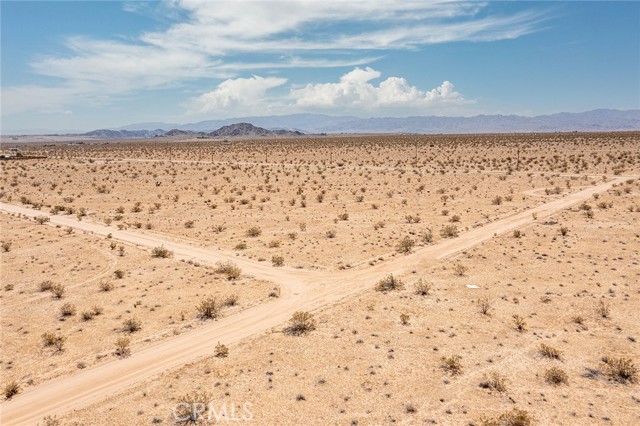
297 124
248 129
124 134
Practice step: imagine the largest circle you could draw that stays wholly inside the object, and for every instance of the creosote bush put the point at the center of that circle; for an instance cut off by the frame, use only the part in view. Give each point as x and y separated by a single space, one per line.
422 288
300 323
254 231
208 308
449 231
229 269
405 245
161 252
556 376
122 347
131 325
221 351
389 283
55 340
621 370
277 260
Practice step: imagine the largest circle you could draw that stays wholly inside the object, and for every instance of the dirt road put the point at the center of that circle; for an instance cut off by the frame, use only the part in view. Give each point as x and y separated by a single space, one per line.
301 290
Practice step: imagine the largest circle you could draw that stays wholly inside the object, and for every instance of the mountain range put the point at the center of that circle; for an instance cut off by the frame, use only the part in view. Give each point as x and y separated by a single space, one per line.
297 124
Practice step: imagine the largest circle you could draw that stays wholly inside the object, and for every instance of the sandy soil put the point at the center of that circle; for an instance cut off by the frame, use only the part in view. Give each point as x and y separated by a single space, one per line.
209 196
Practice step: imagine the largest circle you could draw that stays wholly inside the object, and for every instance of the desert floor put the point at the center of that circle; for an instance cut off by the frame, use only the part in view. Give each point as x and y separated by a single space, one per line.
374 357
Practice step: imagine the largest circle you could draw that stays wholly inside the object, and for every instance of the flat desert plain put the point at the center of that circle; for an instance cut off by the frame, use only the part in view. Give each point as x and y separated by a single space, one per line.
351 280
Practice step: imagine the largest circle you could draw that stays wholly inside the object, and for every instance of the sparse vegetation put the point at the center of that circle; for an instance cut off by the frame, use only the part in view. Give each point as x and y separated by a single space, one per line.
300 323
389 283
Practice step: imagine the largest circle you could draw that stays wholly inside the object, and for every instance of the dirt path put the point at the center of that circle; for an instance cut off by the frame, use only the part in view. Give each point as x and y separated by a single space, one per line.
301 290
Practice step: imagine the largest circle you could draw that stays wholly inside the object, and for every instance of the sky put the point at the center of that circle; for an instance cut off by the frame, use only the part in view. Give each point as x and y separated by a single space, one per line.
83 65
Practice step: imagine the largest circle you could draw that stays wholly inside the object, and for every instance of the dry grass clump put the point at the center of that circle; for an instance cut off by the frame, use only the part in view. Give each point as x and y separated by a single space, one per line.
11 389
494 381
556 376
105 286
452 364
621 370
484 306
422 288
54 340
254 231
603 309
277 260
550 352
300 323
519 323
389 283
67 310
192 408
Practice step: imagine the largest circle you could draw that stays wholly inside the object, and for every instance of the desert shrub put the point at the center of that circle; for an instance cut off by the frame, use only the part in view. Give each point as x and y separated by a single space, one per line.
459 269
161 252
50 421
404 319
331 233
122 347
52 339
118 274
11 389
405 245
275 293
274 243
494 381
6 246
412 218
621 370
449 231
497 200
515 417
422 288
208 308
87 315
240 246
556 376
452 364
229 269
300 323
221 351
564 231
603 309
189 224
519 323
121 251
131 325
517 233
57 290
231 300
45 285
427 236
42 219
378 225
484 306
67 310
389 283
548 351
191 408
254 231
105 286
343 216
277 260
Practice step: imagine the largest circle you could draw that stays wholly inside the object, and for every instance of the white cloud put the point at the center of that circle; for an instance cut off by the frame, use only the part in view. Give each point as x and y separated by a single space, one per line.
239 95
355 91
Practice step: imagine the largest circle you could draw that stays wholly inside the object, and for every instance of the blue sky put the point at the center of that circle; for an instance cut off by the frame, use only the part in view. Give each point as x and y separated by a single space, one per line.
81 65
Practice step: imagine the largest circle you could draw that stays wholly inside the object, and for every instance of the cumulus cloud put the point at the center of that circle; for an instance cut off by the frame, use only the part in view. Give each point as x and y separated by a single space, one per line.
356 91
353 93
240 95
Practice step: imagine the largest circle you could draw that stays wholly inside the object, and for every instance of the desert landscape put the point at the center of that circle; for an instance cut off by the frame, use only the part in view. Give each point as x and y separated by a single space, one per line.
340 279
